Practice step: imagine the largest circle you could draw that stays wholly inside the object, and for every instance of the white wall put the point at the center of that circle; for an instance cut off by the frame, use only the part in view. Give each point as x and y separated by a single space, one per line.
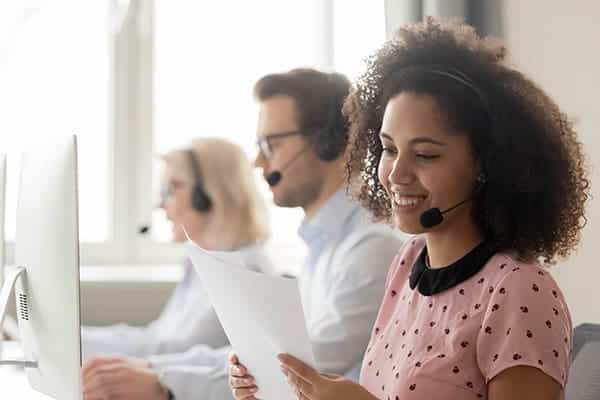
557 43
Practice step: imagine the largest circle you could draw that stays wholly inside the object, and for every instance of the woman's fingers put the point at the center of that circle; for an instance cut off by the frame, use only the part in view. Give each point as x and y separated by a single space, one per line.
233 358
240 383
238 371
245 393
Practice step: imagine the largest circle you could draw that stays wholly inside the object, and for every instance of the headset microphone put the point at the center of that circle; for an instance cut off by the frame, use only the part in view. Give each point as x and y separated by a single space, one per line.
434 216
274 177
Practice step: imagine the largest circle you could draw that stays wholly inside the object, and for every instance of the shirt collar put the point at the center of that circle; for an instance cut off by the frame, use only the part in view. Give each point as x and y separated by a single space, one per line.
433 281
330 218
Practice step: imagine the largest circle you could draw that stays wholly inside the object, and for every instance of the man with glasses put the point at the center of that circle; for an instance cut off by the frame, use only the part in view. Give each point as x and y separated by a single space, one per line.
301 138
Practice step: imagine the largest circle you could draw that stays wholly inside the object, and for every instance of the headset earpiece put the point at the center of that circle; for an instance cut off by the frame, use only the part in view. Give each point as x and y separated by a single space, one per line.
201 202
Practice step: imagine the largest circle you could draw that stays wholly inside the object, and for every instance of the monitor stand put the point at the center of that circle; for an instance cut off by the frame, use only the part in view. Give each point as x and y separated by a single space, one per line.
12 274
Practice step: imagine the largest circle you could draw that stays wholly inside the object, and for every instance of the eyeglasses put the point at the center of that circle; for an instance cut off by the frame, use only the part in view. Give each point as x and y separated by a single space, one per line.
264 143
167 190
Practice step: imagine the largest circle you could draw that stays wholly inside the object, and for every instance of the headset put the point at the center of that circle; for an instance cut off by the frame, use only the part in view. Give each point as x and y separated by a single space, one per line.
201 201
328 143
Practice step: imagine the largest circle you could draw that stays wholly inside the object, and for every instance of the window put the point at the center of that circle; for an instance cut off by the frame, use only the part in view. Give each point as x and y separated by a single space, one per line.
54 75
359 30
136 78
203 86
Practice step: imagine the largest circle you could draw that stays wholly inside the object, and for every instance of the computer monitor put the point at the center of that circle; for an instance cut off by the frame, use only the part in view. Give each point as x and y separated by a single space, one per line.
2 216
45 277
10 324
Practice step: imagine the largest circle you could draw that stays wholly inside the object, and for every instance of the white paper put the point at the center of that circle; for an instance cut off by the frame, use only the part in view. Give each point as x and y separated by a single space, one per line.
261 314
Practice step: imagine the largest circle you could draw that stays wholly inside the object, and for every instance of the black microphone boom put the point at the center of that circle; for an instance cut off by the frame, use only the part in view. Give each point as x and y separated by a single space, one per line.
434 216
274 177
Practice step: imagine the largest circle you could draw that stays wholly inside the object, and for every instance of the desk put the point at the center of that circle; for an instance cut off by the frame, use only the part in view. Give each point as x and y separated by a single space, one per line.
13 382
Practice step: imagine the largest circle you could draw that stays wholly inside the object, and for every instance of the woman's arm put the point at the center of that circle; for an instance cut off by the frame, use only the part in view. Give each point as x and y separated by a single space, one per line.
524 383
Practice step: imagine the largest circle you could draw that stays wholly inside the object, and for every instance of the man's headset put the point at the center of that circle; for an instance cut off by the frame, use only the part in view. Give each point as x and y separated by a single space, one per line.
328 143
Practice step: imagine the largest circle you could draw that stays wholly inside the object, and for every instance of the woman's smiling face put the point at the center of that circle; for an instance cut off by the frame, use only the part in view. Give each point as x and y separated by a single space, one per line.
424 164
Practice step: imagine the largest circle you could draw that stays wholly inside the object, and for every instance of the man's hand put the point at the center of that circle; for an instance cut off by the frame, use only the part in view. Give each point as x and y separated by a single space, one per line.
106 378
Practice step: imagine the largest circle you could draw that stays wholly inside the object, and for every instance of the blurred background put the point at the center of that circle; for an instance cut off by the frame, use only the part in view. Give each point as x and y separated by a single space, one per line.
136 78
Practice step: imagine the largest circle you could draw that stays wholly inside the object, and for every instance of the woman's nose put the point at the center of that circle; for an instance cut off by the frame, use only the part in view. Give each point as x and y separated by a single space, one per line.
401 172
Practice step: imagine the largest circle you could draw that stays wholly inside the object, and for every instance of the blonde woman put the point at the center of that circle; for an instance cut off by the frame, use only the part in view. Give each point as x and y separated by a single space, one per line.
210 191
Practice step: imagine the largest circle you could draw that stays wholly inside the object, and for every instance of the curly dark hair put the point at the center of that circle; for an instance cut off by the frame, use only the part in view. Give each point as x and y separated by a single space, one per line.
537 184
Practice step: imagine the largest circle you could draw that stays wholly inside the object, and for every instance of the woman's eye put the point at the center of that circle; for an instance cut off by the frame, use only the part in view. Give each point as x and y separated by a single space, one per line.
388 151
427 156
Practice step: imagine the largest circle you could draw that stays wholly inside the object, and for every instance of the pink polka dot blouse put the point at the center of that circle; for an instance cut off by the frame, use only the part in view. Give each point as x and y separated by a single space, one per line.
448 332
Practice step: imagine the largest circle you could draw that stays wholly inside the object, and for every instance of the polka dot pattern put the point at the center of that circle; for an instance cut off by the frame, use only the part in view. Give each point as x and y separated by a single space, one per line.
455 341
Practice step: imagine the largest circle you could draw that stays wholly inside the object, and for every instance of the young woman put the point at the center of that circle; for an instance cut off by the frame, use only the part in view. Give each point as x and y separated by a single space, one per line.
454 146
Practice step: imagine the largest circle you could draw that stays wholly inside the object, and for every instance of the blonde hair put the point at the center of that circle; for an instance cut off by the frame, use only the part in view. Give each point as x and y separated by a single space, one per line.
239 214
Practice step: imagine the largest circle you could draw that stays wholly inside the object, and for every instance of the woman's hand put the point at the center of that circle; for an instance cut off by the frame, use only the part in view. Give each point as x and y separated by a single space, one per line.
241 383
309 384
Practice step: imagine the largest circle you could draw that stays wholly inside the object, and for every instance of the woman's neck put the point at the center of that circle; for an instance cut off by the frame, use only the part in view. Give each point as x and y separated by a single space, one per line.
446 247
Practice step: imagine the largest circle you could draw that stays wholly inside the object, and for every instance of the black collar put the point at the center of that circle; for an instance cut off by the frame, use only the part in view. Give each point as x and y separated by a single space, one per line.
433 281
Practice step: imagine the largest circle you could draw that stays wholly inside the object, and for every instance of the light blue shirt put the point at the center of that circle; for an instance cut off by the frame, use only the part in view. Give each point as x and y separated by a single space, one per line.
343 279
341 284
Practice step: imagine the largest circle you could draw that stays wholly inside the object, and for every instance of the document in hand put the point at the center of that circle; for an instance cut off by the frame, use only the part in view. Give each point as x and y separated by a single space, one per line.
261 314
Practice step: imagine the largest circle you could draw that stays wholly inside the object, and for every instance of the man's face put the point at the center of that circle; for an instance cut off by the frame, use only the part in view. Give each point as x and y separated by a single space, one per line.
286 150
